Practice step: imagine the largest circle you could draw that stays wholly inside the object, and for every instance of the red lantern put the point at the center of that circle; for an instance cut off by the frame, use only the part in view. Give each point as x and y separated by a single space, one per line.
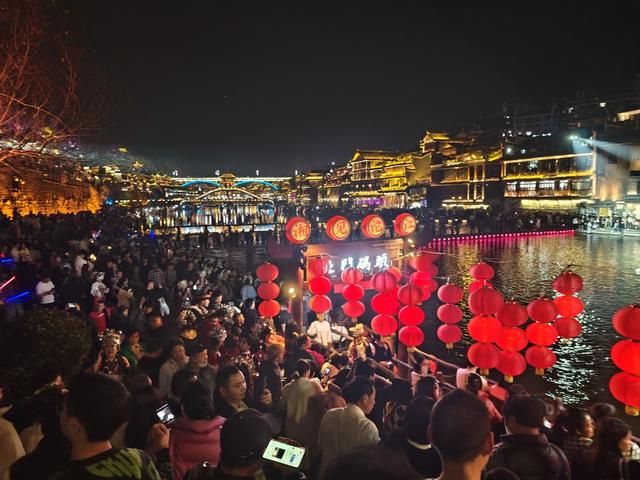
626 389
410 294
478 284
411 336
385 302
450 293
512 339
353 308
512 314
511 364
568 327
484 328
384 325
351 276
626 355
421 263
353 292
384 282
404 224
482 271
429 288
267 272
568 305
485 302
431 256
268 290
269 308
542 310
320 303
338 228
319 266
449 334
626 321
449 313
484 356
372 226
540 358
297 230
411 315
542 334
568 283
320 285
421 279
395 271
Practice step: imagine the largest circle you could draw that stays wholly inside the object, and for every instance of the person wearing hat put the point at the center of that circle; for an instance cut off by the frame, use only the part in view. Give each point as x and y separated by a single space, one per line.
358 346
199 364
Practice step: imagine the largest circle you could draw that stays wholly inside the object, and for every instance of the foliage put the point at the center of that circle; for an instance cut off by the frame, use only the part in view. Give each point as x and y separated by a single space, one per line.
45 340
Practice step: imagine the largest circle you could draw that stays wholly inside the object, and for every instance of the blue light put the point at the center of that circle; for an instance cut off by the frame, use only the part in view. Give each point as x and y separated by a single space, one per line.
16 297
7 260
195 182
263 182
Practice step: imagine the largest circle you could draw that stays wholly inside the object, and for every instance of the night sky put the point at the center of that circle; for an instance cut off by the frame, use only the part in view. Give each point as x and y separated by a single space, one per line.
278 86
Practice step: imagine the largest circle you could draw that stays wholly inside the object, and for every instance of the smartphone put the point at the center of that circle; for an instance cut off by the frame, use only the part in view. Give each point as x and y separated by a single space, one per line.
165 415
326 371
283 453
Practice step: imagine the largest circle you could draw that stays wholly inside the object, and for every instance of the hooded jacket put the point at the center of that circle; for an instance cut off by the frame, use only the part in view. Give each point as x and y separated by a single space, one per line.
194 441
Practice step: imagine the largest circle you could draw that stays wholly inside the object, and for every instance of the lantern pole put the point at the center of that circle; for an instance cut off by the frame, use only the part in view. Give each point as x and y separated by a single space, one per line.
297 310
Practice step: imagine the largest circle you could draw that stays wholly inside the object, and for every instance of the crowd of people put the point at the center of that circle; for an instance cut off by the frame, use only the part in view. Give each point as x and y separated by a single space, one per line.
186 381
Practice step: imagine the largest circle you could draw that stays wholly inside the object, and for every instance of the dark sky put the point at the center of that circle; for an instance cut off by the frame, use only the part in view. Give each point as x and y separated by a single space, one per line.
240 85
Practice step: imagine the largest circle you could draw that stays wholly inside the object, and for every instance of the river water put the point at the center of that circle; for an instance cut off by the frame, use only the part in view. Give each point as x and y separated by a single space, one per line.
525 268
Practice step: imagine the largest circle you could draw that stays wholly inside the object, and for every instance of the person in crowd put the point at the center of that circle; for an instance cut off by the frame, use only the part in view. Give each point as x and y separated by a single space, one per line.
460 429
152 360
45 291
178 382
475 386
131 348
195 436
250 315
11 448
198 363
145 401
428 386
606 459
573 431
231 394
95 407
177 361
247 291
601 410
99 317
320 331
270 373
119 320
348 427
110 361
422 367
525 450
331 367
380 351
296 398
377 463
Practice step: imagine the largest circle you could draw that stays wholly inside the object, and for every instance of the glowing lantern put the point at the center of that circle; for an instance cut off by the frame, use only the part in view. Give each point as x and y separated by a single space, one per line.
540 358
384 282
384 325
568 305
320 285
448 313
428 289
626 321
484 328
410 294
338 228
404 224
421 279
411 315
319 266
395 271
485 356
297 230
626 389
353 308
421 263
512 314
353 292
482 271
512 339
450 293
267 272
568 327
384 302
372 226
430 256
511 364
542 310
268 290
626 355
320 303
485 302
411 336
568 283
478 284
542 334
449 334
269 308
352 276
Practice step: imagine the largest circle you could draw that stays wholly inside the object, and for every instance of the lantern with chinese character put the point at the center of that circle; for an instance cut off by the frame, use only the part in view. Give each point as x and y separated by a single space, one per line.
297 230
373 226
404 224
338 228
625 386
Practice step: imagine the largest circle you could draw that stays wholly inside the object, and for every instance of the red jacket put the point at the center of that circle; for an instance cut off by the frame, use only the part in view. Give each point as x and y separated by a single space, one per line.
192 442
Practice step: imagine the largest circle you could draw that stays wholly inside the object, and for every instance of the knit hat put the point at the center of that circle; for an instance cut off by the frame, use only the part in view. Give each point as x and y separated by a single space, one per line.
244 438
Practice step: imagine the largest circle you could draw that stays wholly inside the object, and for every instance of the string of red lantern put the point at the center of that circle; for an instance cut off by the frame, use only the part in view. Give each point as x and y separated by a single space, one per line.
268 291
423 263
449 314
568 284
512 340
411 315
320 285
352 293
625 385
384 303
484 327
542 334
